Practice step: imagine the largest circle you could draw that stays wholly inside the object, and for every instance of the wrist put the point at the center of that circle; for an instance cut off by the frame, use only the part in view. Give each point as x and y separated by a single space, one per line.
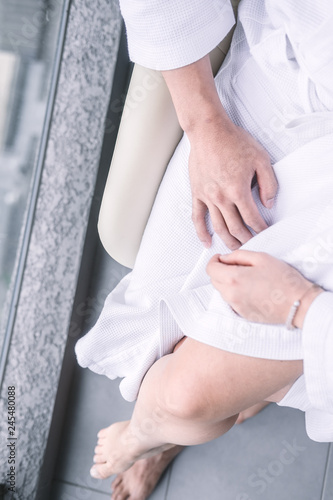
195 98
210 122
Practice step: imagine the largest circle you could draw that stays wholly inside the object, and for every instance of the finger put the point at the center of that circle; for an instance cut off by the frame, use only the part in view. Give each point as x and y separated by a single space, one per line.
213 265
250 213
242 258
221 274
199 210
235 224
221 228
267 184
225 278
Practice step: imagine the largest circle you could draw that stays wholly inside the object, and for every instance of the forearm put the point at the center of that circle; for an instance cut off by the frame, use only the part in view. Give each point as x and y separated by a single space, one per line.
195 98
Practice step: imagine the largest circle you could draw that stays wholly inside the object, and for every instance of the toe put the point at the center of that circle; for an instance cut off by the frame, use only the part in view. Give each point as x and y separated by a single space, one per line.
121 494
100 471
102 433
99 459
98 450
119 489
116 481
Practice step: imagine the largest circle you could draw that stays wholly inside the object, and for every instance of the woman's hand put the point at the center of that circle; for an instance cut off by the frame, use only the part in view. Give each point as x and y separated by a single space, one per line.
223 159
260 287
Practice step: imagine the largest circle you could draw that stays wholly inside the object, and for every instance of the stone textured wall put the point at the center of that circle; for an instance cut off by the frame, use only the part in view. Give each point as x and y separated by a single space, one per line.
44 309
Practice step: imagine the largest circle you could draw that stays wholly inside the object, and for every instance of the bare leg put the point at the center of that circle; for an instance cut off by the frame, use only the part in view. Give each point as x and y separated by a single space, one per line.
251 412
189 397
140 480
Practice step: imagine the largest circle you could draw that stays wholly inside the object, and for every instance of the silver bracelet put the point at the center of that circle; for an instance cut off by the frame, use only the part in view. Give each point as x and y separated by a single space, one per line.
292 314
293 310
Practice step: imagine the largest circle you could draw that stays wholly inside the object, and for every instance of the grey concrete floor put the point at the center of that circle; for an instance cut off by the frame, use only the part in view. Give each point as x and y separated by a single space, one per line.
268 457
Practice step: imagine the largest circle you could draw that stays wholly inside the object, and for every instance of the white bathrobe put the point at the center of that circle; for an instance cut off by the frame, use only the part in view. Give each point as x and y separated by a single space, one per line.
277 83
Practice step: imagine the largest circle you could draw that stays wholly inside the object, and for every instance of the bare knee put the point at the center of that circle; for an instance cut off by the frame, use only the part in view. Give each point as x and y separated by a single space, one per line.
188 385
185 396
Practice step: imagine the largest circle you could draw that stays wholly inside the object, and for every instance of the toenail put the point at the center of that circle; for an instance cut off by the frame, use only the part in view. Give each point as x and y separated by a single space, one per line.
94 473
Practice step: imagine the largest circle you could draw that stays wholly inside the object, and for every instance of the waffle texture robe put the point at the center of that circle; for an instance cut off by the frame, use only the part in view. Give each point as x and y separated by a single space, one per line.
277 83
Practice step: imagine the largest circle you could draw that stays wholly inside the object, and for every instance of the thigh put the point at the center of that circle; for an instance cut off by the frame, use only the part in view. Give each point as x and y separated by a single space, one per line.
226 382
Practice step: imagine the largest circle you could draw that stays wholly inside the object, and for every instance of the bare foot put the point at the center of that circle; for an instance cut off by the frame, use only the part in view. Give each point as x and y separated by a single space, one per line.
138 482
115 451
251 412
118 448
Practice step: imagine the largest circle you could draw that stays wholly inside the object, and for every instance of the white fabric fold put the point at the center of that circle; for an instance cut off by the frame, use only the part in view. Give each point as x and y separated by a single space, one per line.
298 226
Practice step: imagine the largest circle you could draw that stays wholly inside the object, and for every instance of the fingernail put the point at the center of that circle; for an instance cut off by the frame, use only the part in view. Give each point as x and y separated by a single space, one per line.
94 473
270 203
206 244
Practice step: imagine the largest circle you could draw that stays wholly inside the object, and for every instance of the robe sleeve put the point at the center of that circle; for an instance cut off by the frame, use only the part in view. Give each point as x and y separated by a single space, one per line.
317 335
168 34
313 391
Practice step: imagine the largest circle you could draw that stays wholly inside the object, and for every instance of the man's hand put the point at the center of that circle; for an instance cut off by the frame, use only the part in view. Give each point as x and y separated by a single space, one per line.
223 162
223 159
